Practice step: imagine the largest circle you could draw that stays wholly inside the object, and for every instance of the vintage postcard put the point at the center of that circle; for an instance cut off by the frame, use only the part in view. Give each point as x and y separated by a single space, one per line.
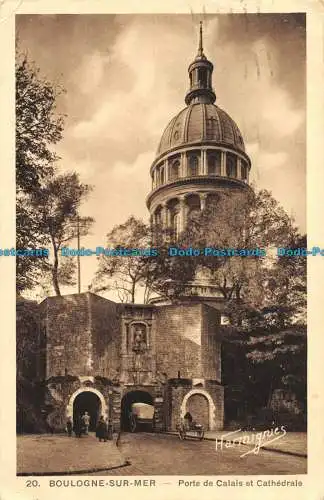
161 249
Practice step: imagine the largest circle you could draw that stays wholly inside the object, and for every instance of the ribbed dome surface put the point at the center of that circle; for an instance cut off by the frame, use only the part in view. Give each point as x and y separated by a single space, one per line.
201 122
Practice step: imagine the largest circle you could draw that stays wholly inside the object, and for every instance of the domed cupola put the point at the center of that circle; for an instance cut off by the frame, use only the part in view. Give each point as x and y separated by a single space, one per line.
201 154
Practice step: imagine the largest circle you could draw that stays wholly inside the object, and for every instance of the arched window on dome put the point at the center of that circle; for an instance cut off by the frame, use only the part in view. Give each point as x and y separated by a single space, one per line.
158 217
244 171
231 165
193 165
214 163
174 170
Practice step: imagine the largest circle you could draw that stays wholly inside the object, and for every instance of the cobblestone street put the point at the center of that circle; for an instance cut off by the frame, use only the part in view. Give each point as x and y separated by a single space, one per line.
152 454
60 454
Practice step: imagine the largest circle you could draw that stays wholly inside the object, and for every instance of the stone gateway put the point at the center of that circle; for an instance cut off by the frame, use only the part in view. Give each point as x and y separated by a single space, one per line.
101 357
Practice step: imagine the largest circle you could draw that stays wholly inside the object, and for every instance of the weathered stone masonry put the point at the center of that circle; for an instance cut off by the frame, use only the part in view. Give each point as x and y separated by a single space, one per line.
168 356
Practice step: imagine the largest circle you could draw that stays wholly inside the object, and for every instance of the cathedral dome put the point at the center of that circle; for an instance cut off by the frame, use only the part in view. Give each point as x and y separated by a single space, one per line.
201 122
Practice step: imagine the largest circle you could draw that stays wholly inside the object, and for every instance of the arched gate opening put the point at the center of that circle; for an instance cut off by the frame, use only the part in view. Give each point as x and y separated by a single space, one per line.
126 403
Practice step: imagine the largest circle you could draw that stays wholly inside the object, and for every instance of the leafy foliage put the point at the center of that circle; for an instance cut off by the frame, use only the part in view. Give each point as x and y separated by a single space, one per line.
47 203
58 201
37 126
120 273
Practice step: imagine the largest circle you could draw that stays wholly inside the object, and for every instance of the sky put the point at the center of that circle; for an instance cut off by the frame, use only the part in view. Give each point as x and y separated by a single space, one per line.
126 76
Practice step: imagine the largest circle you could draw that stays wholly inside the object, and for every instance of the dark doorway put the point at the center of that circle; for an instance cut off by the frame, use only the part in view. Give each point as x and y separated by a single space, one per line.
90 402
198 406
127 401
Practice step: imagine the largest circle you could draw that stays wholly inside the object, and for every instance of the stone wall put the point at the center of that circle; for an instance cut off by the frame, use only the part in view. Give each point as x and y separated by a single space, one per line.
105 327
91 342
211 345
178 340
187 341
29 342
68 335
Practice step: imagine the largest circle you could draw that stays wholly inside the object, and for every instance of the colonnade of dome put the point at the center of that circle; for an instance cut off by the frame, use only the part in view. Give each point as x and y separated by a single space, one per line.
175 212
197 162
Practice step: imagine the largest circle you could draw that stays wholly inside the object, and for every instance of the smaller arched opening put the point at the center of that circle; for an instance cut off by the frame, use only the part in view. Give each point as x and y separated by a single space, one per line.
244 171
193 164
214 163
175 170
174 217
87 400
193 205
157 219
201 406
231 165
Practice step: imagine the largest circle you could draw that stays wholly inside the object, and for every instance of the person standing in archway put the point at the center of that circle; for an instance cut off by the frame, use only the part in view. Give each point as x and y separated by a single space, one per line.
86 422
77 427
69 426
188 420
102 429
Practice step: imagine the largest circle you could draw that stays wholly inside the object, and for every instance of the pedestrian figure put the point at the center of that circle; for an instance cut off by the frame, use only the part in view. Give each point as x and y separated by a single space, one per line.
86 422
77 427
102 430
69 426
188 420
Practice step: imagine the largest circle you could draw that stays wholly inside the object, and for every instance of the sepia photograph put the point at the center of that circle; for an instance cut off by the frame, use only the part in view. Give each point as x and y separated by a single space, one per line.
161 246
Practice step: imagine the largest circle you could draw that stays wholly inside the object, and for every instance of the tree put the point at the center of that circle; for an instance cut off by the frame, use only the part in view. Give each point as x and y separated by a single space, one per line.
148 274
29 367
58 202
38 127
240 221
276 332
124 274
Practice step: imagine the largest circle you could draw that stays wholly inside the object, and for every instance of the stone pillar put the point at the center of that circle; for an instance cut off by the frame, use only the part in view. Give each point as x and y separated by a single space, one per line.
160 409
124 337
183 165
165 218
204 162
115 400
238 169
182 214
203 197
223 163
166 170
